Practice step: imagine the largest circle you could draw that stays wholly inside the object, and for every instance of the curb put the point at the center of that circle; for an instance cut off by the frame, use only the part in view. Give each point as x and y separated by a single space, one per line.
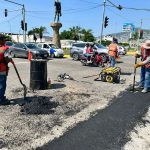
67 56
130 53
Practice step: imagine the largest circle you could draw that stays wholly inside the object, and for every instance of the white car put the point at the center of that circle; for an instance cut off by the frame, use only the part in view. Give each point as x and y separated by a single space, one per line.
52 49
122 50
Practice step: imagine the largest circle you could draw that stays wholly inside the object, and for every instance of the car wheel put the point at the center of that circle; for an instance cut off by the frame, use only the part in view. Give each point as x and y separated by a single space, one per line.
13 55
75 56
52 55
104 58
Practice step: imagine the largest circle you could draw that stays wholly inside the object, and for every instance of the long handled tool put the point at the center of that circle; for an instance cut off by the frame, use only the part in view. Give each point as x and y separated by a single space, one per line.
133 86
91 76
24 86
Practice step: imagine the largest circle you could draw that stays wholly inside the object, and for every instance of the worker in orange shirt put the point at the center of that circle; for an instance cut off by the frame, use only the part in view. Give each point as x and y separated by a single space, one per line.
113 52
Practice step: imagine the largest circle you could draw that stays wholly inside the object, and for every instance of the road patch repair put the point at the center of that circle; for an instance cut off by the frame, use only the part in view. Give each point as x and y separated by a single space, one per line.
109 128
52 112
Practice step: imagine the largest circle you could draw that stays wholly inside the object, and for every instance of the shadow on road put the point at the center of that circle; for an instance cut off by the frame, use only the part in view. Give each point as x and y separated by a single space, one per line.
126 73
57 86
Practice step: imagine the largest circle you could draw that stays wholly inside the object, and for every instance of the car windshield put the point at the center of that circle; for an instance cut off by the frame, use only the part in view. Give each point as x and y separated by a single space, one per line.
100 46
53 46
9 43
31 46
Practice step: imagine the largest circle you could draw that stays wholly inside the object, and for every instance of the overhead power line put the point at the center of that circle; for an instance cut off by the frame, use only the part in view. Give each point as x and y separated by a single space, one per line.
68 11
120 15
14 17
131 8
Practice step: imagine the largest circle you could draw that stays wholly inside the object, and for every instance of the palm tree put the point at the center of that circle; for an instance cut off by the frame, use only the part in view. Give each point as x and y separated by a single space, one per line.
40 31
87 35
75 32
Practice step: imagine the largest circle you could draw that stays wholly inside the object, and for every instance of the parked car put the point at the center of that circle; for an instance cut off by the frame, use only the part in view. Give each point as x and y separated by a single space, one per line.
9 43
77 50
21 50
122 50
52 49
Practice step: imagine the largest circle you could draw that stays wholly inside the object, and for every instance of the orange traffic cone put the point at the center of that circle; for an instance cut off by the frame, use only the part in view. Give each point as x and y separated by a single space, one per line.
29 55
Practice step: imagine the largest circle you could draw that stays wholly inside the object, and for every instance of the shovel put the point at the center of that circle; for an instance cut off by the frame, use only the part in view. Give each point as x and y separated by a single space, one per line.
24 86
133 85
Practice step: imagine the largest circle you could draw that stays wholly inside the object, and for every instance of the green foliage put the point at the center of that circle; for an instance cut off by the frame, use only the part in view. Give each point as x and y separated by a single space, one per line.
8 38
77 33
106 43
40 31
65 35
134 36
123 44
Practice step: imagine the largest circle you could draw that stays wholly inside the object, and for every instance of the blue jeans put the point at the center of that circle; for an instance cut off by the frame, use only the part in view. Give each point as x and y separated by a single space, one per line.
145 78
112 61
3 79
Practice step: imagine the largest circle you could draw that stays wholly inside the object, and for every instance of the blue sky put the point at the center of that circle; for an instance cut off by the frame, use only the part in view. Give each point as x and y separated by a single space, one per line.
84 13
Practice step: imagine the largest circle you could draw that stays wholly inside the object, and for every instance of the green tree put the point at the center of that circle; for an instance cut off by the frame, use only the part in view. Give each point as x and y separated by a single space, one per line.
87 35
40 31
8 38
77 33
65 35
106 42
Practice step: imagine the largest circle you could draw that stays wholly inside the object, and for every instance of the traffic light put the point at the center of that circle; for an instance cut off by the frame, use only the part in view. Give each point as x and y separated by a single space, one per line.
6 12
141 34
25 26
119 7
106 22
22 25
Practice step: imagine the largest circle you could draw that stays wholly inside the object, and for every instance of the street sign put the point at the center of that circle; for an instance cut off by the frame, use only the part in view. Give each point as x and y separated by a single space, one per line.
128 27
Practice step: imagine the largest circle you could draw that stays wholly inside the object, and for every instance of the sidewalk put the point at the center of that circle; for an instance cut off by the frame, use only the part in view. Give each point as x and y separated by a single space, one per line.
109 129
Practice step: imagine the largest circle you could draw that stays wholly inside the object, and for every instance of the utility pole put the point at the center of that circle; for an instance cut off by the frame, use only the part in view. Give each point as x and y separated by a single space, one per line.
103 21
23 15
24 32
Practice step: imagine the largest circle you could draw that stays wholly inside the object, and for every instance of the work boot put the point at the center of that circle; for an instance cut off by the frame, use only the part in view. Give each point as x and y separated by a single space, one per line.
138 87
145 90
5 102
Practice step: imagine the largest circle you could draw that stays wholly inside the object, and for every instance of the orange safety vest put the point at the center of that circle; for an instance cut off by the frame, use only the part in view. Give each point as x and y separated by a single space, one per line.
3 64
113 50
145 53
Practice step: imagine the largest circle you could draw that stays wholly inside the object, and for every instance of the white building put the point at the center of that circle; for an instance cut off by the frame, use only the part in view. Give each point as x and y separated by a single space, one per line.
108 38
19 38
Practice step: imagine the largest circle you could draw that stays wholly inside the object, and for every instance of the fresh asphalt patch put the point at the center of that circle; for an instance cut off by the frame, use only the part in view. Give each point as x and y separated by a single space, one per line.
108 130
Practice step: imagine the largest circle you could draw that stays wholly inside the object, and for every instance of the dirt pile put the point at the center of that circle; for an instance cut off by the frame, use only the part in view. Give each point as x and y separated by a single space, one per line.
39 105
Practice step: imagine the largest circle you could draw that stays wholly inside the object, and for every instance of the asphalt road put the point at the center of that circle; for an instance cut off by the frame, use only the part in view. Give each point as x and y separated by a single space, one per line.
57 66
109 129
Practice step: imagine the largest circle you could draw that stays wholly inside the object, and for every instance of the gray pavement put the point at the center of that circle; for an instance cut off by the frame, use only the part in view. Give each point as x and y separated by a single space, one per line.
109 129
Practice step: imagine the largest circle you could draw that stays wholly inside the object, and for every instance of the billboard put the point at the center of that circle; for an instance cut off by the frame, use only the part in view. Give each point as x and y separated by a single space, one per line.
128 27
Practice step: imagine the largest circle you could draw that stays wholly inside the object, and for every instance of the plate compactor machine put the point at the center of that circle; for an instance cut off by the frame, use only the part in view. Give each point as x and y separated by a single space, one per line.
111 75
